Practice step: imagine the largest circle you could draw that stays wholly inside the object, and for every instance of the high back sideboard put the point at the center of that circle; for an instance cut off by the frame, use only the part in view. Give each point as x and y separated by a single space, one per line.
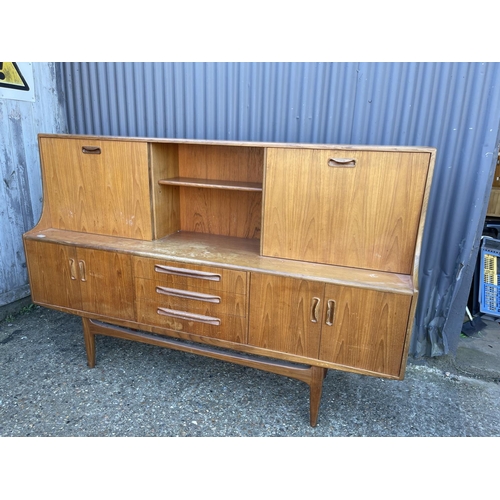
290 258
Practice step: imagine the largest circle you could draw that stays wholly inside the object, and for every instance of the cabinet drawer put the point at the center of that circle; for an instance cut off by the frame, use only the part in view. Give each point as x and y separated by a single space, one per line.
218 326
209 304
195 278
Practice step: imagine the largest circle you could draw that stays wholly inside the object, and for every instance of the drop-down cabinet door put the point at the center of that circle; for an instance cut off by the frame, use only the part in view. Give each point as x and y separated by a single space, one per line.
97 186
81 279
348 208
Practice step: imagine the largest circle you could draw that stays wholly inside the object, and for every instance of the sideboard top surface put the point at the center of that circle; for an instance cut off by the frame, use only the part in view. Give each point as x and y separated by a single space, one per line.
288 145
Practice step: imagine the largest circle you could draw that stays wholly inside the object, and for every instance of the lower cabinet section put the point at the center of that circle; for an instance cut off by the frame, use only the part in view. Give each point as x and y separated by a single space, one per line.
346 326
349 326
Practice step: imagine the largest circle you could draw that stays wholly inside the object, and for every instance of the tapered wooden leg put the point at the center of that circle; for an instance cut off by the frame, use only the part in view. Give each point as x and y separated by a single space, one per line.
89 342
316 388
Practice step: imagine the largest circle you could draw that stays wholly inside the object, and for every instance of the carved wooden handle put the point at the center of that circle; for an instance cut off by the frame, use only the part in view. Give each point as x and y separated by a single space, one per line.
187 273
314 309
91 150
182 315
81 264
341 162
330 313
72 269
186 294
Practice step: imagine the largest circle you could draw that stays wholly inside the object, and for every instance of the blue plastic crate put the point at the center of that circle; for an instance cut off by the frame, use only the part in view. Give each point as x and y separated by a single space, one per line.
489 289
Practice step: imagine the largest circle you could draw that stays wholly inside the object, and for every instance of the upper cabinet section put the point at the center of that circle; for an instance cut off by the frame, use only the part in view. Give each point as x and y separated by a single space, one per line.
97 186
358 207
355 208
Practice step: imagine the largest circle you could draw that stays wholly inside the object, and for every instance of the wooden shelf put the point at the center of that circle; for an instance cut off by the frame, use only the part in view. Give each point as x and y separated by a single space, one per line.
212 184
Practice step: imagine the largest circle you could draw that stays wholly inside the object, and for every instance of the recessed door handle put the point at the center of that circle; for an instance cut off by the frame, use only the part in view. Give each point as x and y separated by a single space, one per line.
341 162
330 312
81 264
91 150
72 269
314 309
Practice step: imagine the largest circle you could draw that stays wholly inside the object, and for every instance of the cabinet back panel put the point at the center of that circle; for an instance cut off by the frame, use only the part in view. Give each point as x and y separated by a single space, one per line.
216 211
106 193
363 216
228 163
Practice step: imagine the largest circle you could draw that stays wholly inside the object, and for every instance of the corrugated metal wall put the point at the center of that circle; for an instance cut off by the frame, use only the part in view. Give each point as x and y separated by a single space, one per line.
454 107
20 178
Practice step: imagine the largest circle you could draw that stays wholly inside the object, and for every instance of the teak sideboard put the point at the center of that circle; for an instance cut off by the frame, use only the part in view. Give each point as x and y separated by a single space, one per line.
290 258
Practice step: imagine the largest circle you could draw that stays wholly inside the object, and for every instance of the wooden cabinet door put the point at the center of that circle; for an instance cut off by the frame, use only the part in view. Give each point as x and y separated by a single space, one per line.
106 283
81 279
364 329
285 314
97 186
53 274
349 208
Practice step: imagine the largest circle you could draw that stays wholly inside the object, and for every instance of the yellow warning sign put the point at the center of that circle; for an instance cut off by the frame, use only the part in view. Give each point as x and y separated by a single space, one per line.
11 77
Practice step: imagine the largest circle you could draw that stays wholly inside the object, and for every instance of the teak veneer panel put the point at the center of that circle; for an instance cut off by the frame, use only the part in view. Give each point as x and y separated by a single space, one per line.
221 212
216 162
52 281
106 193
366 216
281 311
368 330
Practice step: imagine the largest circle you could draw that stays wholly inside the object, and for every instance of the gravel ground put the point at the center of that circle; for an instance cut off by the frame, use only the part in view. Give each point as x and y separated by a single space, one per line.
46 389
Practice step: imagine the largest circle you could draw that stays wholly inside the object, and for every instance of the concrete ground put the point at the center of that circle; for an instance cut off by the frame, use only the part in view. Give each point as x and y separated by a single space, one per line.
46 389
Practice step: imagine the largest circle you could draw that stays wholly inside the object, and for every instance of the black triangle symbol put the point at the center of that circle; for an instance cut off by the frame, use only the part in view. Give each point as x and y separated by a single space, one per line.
24 86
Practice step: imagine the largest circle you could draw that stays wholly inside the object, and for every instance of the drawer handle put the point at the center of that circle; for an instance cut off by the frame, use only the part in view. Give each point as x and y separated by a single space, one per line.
330 313
187 273
91 150
185 294
199 318
314 309
341 162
